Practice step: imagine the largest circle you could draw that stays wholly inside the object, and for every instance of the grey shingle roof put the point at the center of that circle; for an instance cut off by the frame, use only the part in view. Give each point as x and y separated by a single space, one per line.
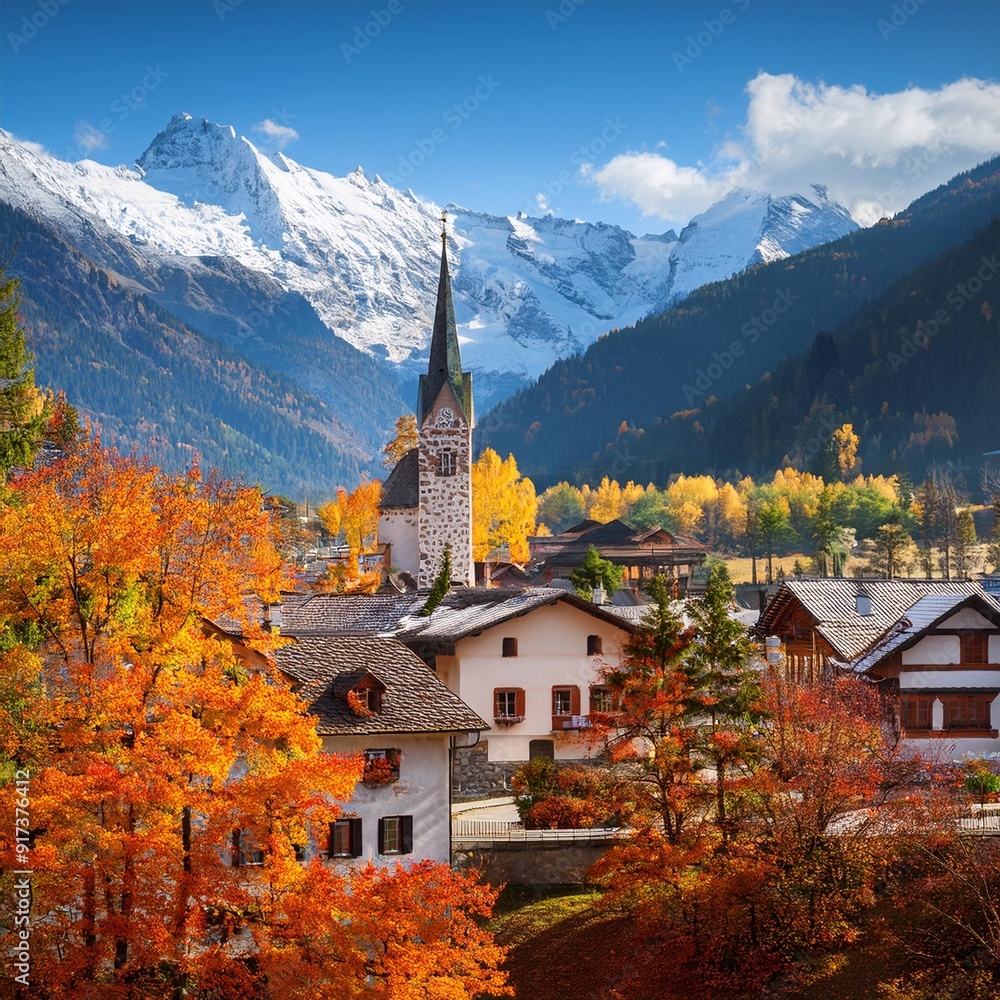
402 485
926 613
832 604
462 612
415 699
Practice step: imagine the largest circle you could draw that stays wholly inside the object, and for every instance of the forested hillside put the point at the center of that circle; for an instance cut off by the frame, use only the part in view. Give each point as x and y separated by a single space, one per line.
143 376
916 372
615 409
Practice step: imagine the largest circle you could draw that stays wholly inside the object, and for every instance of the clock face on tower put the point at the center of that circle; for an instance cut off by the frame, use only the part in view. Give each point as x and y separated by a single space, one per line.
446 417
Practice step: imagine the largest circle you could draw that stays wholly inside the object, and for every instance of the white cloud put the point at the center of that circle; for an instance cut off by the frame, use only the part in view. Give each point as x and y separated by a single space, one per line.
33 147
88 138
542 203
280 135
874 152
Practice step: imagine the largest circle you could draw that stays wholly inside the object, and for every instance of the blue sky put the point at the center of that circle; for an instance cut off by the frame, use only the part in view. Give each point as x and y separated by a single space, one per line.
637 113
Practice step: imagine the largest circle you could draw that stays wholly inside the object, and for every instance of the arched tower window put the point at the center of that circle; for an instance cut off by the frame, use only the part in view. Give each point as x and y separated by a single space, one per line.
447 464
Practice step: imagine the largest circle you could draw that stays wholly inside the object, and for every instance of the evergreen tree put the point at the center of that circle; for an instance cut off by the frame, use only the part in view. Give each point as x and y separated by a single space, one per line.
727 686
441 585
596 572
23 409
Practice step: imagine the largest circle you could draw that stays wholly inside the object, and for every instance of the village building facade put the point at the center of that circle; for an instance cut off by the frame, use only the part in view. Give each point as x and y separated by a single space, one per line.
932 647
527 661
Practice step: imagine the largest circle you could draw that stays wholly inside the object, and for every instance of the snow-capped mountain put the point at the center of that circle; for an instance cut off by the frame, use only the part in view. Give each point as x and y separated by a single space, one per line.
204 213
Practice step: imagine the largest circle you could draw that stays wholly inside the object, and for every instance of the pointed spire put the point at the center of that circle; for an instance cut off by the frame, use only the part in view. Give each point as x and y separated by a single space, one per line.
445 364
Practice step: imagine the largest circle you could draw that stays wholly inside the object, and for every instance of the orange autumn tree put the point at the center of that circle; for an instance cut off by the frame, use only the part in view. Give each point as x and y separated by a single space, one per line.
157 755
354 516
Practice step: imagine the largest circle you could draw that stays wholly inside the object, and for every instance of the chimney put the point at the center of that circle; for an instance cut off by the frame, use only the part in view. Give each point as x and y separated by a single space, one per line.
272 617
863 602
772 645
599 595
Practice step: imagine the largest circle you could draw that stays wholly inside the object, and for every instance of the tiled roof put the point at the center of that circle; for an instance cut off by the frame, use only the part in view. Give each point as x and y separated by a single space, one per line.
832 603
925 614
462 612
415 700
402 485
357 614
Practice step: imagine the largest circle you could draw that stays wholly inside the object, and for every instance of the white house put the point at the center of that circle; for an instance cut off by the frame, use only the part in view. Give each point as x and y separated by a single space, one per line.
528 661
375 697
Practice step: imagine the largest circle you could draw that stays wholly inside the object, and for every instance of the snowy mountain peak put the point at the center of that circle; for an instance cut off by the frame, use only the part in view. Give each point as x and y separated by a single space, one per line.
528 290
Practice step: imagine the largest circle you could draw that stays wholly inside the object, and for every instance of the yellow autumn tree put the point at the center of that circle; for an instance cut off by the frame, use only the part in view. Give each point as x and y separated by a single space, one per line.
844 443
404 440
688 497
606 502
504 507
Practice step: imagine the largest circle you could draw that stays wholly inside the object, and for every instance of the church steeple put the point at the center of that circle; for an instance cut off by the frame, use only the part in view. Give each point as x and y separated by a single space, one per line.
445 364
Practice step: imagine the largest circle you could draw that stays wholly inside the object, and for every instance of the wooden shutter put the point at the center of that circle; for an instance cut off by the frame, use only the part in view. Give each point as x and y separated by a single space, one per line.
236 848
355 837
381 835
519 702
406 829
574 700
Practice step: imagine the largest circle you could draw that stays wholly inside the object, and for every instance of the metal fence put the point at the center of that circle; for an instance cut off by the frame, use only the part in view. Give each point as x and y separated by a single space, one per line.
501 830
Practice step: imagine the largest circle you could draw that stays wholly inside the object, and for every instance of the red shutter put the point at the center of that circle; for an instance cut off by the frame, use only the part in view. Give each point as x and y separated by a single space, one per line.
519 702
574 700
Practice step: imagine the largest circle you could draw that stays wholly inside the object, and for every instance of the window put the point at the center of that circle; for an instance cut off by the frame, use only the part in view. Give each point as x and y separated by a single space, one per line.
510 646
975 647
345 838
915 712
244 852
967 711
566 709
395 835
446 464
541 748
594 645
561 702
508 705
600 699
381 766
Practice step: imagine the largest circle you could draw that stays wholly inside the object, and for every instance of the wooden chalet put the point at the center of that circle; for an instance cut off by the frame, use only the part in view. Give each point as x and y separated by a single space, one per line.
642 554
824 623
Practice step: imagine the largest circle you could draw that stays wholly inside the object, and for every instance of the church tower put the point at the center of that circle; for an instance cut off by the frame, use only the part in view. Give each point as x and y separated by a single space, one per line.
444 452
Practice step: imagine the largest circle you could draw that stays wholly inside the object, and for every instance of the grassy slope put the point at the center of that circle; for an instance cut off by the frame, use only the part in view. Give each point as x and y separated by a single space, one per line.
565 948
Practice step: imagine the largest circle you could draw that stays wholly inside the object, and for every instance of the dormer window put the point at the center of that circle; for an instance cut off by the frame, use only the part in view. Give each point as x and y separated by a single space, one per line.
365 698
447 464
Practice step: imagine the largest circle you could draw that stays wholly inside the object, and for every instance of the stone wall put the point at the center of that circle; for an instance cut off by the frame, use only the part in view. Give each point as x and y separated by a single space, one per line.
476 777
445 517
550 863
